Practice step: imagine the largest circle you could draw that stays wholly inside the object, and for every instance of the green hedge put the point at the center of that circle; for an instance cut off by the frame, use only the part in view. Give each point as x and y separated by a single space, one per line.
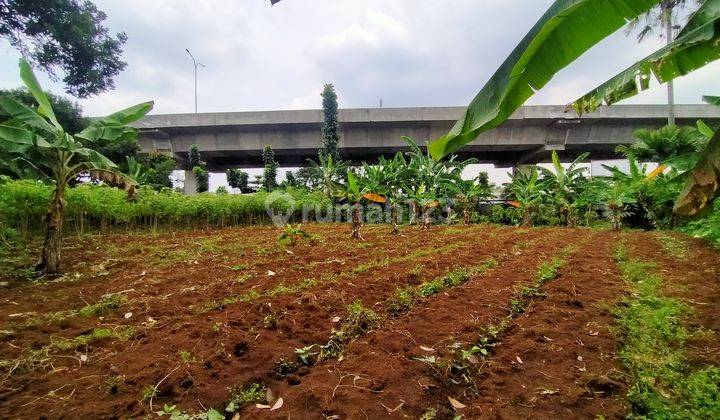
23 206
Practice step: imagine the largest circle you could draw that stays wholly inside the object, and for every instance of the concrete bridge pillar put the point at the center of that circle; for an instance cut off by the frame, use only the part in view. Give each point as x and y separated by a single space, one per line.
189 186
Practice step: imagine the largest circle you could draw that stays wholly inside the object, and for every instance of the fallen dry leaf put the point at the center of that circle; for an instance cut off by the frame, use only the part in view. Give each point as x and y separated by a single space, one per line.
262 406
519 360
594 333
270 273
457 405
277 405
427 348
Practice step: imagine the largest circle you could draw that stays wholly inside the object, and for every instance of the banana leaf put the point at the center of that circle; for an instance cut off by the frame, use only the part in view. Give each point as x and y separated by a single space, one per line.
712 100
567 30
702 183
696 45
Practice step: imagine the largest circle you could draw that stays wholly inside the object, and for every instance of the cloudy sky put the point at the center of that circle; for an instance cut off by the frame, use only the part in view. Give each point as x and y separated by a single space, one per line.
405 52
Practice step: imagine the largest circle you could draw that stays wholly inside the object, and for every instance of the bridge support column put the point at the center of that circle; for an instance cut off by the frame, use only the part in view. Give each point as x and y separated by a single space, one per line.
189 186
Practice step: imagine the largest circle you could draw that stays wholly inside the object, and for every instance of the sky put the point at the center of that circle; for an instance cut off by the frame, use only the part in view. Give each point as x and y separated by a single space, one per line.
409 53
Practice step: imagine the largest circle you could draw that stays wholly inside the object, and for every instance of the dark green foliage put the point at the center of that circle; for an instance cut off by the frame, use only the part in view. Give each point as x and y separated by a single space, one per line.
290 180
157 170
269 181
67 35
202 179
238 179
330 126
665 143
194 156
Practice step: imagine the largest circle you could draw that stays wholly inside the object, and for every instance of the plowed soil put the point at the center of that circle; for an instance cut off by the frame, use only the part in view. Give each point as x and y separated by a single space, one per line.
198 315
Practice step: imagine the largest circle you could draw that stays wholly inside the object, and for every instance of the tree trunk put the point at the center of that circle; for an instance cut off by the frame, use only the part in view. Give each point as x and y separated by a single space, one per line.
356 223
667 23
526 218
426 219
393 218
49 263
466 216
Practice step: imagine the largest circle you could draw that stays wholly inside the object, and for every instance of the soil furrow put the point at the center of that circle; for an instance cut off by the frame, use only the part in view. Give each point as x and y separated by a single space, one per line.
384 362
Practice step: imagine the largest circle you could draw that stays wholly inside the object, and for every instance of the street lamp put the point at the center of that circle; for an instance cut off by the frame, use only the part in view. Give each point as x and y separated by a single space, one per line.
195 65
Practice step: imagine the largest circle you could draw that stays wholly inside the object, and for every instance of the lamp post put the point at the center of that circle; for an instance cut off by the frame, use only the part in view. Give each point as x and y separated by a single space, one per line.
195 66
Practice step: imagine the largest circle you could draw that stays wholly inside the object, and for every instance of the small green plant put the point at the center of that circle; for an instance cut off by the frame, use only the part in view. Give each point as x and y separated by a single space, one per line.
292 234
285 367
238 267
241 397
105 304
270 321
358 321
307 354
216 327
186 356
148 392
176 413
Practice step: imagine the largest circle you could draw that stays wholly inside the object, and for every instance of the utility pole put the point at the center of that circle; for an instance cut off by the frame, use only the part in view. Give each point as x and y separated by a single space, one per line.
195 66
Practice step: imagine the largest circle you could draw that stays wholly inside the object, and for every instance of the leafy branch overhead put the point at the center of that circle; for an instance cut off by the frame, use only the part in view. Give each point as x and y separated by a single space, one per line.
566 31
66 35
695 46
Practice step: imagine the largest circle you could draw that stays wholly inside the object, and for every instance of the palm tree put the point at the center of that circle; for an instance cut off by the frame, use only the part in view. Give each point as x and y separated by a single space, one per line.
666 143
35 137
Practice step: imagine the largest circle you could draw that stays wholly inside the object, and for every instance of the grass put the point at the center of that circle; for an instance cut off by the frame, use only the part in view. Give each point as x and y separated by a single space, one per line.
104 305
122 333
241 397
674 246
654 337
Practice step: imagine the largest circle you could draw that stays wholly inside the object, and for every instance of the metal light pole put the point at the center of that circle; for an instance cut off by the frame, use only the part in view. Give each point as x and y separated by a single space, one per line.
195 65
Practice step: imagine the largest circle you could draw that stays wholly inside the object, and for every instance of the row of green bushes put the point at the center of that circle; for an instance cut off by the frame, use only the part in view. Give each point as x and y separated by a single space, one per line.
24 204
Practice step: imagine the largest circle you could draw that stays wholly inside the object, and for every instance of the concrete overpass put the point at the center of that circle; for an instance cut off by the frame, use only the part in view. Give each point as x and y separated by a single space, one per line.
236 139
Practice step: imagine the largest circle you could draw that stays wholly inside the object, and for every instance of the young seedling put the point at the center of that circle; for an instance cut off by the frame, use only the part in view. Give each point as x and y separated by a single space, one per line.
292 234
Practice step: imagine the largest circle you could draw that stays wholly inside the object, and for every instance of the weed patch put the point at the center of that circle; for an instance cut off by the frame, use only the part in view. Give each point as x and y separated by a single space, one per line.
653 337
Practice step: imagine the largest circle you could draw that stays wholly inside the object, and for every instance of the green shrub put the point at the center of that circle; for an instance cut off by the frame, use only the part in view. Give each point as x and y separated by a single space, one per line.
23 205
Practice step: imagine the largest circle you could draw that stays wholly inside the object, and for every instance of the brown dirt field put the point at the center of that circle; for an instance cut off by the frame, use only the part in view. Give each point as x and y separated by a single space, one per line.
207 317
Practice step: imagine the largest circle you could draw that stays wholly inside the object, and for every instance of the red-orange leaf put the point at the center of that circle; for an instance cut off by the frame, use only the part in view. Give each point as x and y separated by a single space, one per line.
374 197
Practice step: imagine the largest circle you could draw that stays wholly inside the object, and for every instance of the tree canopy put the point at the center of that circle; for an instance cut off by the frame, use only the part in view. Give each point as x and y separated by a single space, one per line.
65 35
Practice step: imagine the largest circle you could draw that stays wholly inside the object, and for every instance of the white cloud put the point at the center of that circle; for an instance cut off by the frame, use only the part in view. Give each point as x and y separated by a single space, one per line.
258 57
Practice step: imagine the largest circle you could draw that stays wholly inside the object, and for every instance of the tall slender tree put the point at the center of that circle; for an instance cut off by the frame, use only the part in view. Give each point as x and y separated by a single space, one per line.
270 172
330 126
661 18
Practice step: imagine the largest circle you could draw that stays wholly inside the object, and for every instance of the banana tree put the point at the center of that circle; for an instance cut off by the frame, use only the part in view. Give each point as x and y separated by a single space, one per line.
35 135
468 193
703 179
528 192
388 177
327 174
357 190
562 184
